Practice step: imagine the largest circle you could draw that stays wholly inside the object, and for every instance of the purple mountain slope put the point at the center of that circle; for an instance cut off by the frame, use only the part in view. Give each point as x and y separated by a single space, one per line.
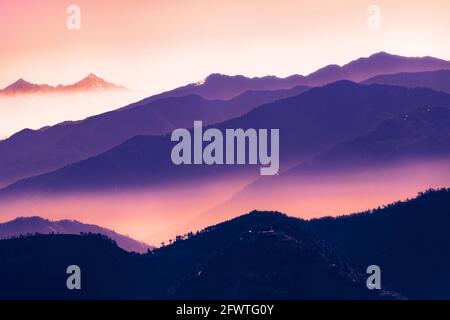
377 64
32 225
308 123
218 86
421 134
31 152
436 80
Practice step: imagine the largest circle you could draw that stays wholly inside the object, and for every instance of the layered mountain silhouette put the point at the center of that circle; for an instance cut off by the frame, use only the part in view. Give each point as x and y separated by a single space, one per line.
373 112
30 152
36 225
88 83
33 152
219 86
436 80
310 123
415 139
259 255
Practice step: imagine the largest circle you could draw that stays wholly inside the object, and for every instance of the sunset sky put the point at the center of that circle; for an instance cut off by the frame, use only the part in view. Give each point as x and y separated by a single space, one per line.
156 45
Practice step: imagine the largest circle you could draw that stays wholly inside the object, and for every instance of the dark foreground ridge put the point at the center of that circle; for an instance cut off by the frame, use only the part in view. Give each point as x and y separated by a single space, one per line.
260 255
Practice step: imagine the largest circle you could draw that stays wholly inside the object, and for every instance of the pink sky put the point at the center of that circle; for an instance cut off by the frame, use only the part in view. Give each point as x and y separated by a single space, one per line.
155 45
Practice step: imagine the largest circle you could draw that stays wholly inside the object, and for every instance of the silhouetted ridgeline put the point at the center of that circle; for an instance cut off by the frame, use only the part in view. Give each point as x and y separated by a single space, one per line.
33 225
258 255
408 240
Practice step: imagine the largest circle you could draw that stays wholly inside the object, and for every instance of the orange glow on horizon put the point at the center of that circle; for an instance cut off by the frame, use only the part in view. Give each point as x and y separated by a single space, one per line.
154 216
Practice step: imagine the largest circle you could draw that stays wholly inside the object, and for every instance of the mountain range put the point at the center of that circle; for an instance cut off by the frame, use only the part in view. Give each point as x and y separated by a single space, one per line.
32 152
260 255
414 143
219 86
311 122
90 82
341 128
31 225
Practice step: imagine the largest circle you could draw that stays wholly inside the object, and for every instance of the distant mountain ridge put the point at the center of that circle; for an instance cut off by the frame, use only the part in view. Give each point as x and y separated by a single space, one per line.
90 82
32 152
377 64
31 225
219 86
